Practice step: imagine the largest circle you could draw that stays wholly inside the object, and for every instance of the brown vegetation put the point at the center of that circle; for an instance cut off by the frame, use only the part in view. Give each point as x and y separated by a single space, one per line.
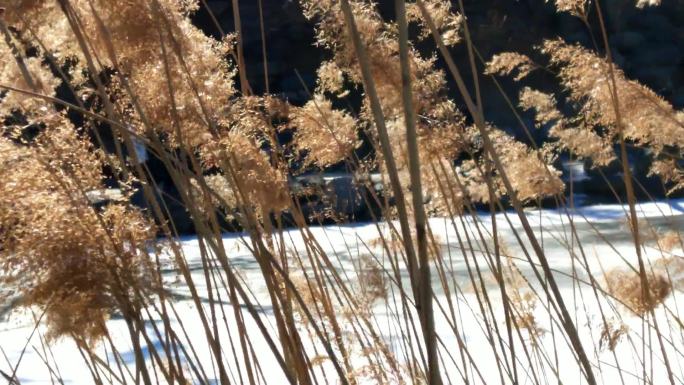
145 72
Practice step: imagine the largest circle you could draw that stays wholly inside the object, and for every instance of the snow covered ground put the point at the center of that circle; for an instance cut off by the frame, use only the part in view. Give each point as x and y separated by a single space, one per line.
605 241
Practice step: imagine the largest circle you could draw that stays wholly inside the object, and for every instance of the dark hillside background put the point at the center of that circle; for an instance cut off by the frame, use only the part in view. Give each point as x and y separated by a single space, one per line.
648 44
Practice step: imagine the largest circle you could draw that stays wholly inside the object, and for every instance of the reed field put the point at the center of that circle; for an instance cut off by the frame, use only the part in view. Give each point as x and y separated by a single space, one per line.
472 264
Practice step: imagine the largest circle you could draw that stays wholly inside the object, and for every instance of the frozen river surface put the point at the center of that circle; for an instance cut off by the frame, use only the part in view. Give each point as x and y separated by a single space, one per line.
472 336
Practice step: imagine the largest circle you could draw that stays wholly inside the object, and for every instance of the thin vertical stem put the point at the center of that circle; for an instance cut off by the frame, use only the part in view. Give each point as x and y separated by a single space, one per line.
17 55
244 85
379 119
263 45
629 187
424 287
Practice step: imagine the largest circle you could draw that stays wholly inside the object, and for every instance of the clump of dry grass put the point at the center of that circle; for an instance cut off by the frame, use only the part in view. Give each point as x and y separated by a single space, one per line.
372 280
507 63
674 265
310 294
670 240
590 132
524 305
574 7
448 22
530 172
626 286
331 79
327 135
442 133
611 334
647 3
523 301
78 263
543 103
669 170
219 194
262 185
581 142
649 119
